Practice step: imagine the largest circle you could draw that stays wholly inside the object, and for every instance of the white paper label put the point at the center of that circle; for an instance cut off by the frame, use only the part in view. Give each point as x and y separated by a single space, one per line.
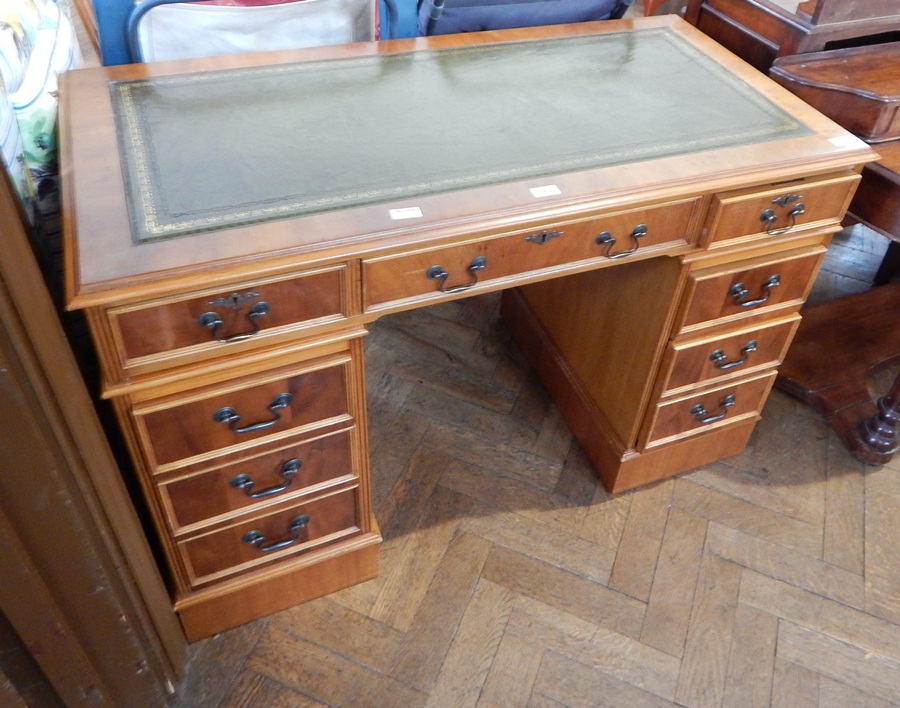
550 190
845 141
406 213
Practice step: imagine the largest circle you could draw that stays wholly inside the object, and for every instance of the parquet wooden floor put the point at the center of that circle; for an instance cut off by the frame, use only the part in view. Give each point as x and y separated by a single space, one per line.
510 578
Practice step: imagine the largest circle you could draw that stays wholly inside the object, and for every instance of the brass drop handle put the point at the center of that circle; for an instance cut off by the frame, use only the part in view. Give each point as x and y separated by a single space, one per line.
739 292
230 416
296 530
769 217
607 239
212 320
720 358
436 272
702 416
246 484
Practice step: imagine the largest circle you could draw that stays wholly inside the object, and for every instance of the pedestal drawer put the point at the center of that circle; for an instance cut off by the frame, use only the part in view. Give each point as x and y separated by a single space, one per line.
181 429
159 331
265 539
697 412
726 353
745 288
298 469
780 210
438 271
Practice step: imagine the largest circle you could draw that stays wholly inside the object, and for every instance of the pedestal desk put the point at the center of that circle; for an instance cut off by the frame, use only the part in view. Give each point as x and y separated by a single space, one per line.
654 209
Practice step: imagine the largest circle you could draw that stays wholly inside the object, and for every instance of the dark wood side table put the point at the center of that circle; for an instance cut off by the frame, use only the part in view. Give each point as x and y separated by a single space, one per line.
838 344
841 341
759 31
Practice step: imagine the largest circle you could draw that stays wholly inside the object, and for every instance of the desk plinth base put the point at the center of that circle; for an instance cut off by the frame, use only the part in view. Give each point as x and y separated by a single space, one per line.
229 605
619 469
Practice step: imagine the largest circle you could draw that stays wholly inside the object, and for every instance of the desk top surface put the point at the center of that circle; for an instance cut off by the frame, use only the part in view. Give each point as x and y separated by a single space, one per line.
183 165
317 136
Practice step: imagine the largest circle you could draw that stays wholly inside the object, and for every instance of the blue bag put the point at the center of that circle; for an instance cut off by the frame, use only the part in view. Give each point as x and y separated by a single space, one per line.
453 16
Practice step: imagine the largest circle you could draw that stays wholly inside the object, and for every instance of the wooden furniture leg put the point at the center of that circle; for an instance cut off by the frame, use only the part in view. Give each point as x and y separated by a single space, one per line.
877 436
838 343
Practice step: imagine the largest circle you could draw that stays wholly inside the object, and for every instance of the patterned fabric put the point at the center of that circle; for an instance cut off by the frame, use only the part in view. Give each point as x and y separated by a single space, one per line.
37 43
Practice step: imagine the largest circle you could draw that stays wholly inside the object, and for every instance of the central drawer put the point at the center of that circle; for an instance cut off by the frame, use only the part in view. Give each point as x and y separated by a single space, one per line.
432 273
180 430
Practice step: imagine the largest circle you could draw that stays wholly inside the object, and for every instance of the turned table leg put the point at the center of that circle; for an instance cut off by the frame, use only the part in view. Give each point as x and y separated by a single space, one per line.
877 436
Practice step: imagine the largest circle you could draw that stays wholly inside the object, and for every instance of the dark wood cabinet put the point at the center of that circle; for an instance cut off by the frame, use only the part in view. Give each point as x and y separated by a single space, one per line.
759 31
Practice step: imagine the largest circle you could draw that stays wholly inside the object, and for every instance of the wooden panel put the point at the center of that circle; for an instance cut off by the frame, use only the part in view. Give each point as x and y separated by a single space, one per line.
713 293
80 587
681 417
211 494
211 556
185 427
610 328
877 201
726 354
170 325
403 277
752 32
783 209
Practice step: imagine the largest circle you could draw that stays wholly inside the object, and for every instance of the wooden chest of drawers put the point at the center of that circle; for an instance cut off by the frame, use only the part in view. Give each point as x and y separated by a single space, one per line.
653 274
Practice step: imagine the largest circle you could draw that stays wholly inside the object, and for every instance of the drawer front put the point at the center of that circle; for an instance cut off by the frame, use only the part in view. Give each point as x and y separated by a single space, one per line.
749 287
269 538
696 413
291 471
213 318
780 211
423 274
727 353
185 429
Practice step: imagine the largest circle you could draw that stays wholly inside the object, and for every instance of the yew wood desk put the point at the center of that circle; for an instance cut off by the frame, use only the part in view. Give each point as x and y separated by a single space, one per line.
653 208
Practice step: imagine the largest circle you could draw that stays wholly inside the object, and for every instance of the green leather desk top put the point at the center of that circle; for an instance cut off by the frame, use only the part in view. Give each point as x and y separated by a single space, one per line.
216 149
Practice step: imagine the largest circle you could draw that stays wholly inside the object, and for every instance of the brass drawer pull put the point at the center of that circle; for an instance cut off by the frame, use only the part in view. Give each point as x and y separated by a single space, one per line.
211 320
608 240
230 415
720 358
739 292
246 484
704 418
768 217
436 272
295 529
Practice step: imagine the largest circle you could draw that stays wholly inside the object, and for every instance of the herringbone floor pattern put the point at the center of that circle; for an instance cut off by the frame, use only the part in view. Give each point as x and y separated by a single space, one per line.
510 578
